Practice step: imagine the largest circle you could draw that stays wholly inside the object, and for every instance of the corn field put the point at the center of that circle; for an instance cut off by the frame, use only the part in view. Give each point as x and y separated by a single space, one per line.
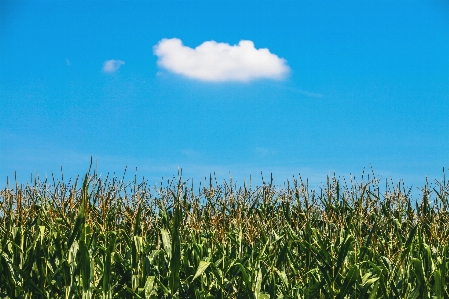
104 237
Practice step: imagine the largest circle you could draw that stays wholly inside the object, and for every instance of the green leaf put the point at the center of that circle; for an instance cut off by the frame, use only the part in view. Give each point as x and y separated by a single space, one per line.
367 281
283 277
201 268
110 241
166 242
257 292
408 246
246 279
350 280
343 251
438 285
373 293
149 284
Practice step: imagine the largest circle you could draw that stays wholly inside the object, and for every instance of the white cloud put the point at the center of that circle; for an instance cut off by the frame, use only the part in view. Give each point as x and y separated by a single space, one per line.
111 66
212 61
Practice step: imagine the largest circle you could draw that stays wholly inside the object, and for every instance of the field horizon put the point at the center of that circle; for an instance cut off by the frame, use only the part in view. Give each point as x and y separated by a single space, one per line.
107 237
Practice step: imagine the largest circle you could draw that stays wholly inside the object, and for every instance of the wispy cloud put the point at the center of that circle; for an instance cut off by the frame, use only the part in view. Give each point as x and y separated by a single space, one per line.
306 93
111 66
218 62
300 91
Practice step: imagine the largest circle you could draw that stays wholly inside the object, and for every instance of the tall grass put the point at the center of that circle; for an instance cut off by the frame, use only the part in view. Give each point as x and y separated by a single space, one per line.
106 238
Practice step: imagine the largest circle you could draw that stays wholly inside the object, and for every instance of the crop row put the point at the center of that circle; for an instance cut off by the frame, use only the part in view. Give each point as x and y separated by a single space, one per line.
107 238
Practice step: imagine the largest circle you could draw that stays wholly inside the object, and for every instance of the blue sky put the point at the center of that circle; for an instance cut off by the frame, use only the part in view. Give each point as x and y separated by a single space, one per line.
350 84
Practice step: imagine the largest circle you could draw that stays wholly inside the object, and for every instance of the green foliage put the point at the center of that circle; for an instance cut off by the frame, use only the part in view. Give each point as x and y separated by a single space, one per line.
111 239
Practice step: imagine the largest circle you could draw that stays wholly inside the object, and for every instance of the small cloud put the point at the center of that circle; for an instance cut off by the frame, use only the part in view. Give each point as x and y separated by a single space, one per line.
67 62
111 66
218 62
